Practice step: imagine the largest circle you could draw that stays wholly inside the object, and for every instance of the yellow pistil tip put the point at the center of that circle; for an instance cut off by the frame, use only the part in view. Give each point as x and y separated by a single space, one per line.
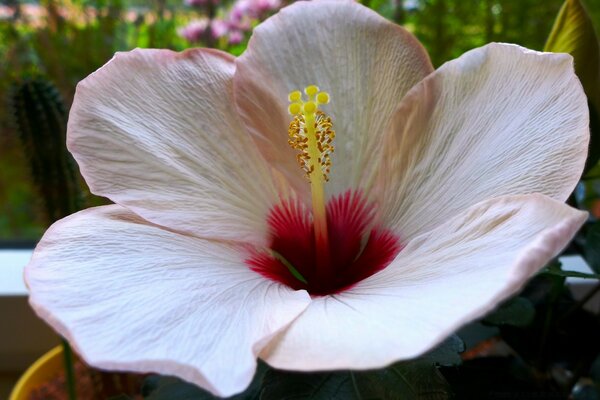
323 98
311 133
295 108
309 107
294 96
311 90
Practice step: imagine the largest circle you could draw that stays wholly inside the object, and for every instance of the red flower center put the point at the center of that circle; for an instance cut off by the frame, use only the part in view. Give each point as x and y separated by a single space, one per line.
357 248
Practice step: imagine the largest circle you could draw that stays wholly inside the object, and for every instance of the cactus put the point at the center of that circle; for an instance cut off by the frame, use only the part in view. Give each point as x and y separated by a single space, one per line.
40 119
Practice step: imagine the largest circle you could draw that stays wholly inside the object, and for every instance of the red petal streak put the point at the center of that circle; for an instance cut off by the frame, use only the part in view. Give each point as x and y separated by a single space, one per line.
357 247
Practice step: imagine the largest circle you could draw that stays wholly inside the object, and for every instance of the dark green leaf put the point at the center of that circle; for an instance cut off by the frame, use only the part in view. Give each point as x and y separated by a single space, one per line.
517 311
594 147
592 247
595 370
169 388
158 387
574 33
446 353
587 392
475 333
412 380
498 378
556 270
573 274
150 384
283 385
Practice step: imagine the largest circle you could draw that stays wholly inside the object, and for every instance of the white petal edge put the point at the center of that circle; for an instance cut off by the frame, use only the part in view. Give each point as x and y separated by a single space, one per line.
440 281
131 296
157 132
366 63
499 120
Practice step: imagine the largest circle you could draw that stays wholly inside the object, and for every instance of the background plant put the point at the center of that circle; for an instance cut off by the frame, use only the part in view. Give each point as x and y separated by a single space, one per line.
65 40
540 344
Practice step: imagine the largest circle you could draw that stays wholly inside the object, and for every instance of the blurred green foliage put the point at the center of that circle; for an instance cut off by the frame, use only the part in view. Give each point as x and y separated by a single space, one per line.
553 340
448 28
64 41
68 39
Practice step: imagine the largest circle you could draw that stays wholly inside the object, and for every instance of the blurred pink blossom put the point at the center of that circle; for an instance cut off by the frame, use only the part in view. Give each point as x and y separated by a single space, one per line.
234 24
195 30
236 37
255 9
219 28
264 6
199 3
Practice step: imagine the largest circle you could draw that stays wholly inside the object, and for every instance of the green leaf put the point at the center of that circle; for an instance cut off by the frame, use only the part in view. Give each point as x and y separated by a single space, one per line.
150 384
517 311
571 274
283 385
170 388
556 270
586 392
591 250
158 387
414 380
595 370
447 353
573 33
594 147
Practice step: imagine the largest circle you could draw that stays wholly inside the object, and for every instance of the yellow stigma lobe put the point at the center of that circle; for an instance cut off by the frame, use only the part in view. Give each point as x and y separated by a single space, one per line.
311 133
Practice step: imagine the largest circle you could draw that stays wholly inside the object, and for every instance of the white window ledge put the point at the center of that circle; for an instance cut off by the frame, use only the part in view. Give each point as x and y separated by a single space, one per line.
12 263
27 337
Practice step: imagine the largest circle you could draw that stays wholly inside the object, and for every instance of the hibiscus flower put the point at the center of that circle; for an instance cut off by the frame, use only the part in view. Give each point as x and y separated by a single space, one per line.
393 205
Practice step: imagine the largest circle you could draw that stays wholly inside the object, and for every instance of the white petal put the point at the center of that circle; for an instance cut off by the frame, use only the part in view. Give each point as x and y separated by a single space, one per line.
440 281
132 296
366 63
157 132
500 120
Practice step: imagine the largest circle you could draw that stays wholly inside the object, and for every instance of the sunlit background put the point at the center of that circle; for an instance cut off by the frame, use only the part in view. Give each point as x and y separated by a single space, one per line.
66 40
48 46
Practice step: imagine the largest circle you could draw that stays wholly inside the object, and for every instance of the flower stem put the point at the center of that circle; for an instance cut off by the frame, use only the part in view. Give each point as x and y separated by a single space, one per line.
69 370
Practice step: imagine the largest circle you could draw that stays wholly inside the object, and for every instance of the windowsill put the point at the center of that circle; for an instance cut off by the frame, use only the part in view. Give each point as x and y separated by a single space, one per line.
27 337
12 263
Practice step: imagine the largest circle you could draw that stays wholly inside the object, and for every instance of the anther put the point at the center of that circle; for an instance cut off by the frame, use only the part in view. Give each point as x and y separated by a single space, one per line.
310 132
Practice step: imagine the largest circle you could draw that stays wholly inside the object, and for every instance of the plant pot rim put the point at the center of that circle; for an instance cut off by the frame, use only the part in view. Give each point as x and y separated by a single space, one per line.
37 372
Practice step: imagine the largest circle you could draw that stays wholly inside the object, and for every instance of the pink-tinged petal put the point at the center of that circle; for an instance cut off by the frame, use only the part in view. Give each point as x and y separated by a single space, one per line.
132 296
500 120
157 132
440 281
366 63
